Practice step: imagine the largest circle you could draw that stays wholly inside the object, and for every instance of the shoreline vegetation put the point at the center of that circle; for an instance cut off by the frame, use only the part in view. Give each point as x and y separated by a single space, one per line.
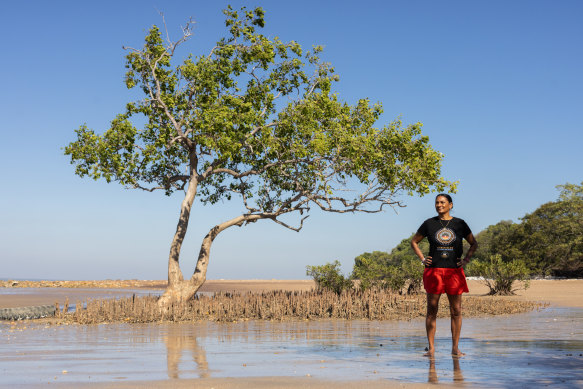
372 304
239 300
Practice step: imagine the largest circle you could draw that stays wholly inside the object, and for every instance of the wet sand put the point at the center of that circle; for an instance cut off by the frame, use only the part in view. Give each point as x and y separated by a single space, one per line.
258 383
541 348
29 293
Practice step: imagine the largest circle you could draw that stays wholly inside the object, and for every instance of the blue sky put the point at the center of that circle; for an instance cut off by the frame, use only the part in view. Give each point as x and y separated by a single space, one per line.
497 84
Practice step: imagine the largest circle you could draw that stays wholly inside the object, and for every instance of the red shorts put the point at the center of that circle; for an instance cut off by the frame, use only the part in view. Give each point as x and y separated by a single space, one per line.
437 280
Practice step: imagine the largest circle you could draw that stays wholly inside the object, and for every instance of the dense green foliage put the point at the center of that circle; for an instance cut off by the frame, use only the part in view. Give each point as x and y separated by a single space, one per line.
501 277
549 240
403 253
496 240
328 276
394 271
218 114
408 264
371 270
374 270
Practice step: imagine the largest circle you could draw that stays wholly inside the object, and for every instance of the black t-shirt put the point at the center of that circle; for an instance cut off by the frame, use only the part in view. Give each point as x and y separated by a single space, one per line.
445 240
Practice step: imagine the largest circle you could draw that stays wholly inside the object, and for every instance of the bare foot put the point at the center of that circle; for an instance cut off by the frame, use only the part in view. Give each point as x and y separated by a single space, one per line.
457 353
429 352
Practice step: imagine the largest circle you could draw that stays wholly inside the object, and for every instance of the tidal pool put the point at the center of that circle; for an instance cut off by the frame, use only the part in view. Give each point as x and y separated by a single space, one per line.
539 348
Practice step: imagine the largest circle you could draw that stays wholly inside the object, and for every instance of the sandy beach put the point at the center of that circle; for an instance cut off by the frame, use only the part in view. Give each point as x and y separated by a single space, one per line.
248 355
31 293
567 293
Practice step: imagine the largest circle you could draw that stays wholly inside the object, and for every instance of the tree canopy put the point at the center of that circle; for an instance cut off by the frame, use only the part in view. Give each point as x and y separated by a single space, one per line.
395 270
549 240
497 239
255 119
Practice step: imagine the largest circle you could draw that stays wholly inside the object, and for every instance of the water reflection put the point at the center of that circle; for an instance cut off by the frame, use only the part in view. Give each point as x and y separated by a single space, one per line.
433 377
549 349
458 376
179 342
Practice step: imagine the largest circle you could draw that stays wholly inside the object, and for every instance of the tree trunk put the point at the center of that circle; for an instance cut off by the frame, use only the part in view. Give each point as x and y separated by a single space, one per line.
180 291
177 288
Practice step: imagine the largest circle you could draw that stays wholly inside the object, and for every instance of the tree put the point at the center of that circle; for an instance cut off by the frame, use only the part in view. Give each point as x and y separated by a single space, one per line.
551 238
413 272
254 119
328 276
402 253
408 263
375 270
390 271
500 276
501 239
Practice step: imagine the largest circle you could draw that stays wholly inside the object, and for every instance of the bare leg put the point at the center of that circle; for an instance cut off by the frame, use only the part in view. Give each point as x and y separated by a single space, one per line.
455 309
430 321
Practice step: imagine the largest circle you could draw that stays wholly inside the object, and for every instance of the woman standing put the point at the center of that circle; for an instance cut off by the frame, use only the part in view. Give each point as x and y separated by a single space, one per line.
443 267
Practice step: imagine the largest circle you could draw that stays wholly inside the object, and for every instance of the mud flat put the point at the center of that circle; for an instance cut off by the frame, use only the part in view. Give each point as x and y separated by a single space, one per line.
539 348
535 349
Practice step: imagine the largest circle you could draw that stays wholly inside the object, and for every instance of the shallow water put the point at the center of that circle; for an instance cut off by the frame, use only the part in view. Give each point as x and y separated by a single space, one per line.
22 297
538 348
79 292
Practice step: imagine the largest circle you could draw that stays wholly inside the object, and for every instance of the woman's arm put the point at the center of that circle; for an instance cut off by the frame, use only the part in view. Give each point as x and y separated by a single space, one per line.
473 246
415 246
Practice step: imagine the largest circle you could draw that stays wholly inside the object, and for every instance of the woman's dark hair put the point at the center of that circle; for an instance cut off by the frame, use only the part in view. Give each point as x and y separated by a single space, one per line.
448 197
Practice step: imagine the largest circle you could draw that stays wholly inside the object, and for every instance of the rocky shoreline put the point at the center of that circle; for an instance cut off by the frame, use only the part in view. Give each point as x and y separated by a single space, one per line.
93 284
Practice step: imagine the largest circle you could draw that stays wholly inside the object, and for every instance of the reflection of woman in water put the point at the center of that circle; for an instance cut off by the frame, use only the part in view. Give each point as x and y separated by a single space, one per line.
443 267
433 378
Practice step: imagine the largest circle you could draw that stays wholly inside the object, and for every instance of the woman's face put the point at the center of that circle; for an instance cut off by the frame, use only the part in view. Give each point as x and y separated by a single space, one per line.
442 205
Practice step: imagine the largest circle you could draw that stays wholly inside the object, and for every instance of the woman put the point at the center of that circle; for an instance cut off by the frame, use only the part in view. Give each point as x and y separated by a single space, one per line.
443 267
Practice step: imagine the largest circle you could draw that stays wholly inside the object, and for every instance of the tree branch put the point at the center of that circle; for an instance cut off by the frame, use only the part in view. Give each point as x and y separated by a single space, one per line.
296 229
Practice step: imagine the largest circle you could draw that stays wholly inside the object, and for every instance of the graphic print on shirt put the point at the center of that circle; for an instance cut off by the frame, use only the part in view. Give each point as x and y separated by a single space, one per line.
445 236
